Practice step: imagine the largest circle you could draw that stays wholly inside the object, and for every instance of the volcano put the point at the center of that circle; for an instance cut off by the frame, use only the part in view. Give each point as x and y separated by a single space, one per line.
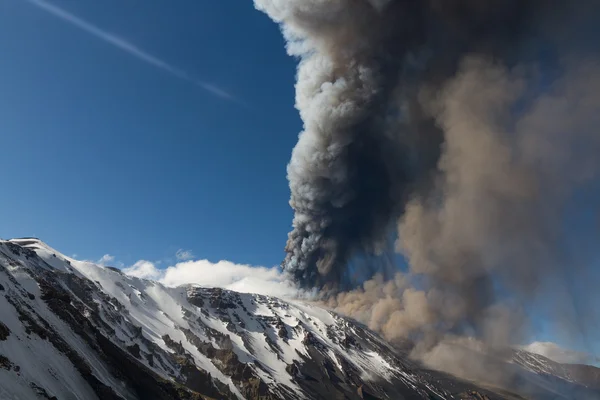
76 330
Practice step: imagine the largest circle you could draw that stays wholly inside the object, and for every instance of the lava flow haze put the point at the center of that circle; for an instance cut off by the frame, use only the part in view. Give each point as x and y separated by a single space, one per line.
471 127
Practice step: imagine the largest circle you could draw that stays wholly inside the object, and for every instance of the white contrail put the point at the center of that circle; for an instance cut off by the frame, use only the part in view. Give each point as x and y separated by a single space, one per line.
128 47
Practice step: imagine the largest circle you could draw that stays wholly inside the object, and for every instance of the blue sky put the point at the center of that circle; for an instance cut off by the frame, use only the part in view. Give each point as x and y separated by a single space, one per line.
106 150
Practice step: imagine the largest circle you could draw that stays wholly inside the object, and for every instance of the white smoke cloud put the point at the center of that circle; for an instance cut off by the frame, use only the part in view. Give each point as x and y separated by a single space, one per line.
105 260
224 274
144 270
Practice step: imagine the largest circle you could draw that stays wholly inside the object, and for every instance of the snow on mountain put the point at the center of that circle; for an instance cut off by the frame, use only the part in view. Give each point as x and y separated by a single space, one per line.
76 330
559 354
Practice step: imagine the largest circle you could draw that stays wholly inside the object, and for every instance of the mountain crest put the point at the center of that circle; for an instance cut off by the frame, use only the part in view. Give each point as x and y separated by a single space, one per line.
72 329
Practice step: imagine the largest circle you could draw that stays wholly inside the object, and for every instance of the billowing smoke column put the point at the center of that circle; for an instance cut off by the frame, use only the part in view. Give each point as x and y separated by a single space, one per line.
471 125
367 142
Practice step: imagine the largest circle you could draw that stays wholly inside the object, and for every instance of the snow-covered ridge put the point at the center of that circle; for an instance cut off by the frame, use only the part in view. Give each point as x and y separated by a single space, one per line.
77 330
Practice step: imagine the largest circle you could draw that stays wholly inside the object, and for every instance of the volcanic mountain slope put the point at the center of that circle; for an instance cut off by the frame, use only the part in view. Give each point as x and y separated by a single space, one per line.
76 330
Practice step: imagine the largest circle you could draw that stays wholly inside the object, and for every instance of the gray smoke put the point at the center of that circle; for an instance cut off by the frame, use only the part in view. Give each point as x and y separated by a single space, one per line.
495 213
505 180
367 143
440 118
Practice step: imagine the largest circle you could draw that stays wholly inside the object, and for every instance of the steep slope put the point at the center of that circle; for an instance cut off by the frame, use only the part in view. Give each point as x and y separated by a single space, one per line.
530 375
76 330
538 364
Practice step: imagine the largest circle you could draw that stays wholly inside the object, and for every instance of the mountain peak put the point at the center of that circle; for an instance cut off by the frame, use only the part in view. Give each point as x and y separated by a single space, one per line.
73 329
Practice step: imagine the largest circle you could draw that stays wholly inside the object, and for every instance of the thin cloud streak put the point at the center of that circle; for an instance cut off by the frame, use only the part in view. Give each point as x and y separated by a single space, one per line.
129 48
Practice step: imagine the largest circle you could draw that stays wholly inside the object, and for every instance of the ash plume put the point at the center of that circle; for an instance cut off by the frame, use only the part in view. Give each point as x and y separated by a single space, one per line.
471 126
367 143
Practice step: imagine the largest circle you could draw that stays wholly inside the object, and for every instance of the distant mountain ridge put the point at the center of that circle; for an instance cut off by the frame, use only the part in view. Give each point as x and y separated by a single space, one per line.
76 330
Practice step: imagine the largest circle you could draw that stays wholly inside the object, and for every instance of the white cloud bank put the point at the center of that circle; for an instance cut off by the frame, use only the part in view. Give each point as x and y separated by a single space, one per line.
144 270
105 260
559 354
223 274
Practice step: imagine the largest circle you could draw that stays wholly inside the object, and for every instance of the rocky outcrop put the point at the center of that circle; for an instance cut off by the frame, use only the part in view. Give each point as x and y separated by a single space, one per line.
4 331
134 350
224 358
5 363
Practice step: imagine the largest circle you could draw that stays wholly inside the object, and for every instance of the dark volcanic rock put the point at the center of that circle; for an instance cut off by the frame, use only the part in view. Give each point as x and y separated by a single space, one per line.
195 298
134 350
176 346
5 363
4 331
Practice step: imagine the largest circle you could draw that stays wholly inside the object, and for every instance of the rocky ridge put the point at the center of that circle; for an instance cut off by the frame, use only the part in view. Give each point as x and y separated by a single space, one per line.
72 329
